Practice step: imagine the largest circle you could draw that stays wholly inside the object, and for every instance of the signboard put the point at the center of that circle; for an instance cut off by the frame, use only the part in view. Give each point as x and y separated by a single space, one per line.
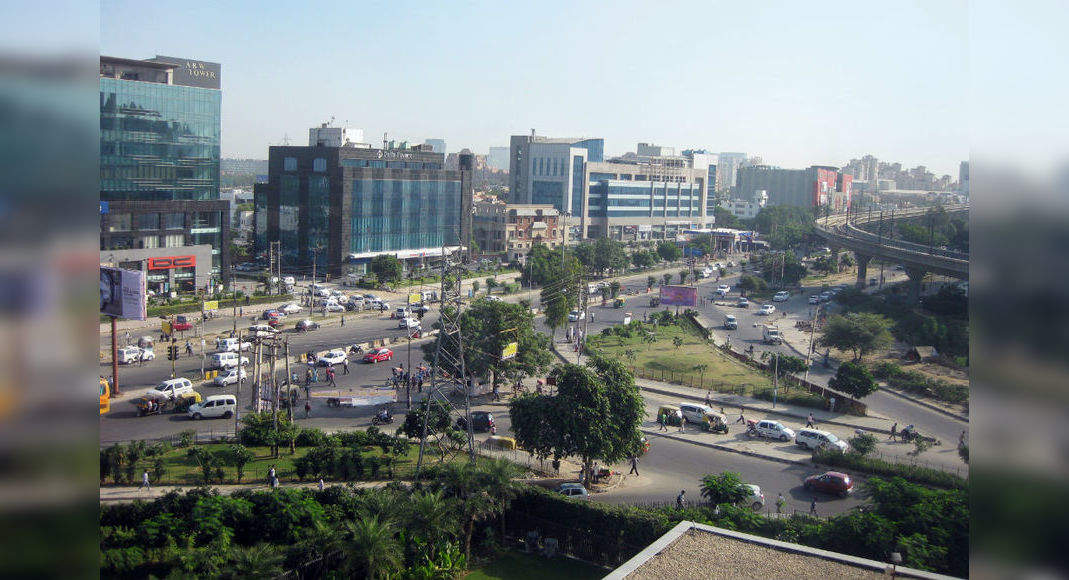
679 295
171 262
193 73
211 305
122 293
165 327
104 207
509 351
415 298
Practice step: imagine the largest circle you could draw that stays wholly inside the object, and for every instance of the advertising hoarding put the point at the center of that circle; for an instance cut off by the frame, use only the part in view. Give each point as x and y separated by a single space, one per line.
679 296
509 351
122 293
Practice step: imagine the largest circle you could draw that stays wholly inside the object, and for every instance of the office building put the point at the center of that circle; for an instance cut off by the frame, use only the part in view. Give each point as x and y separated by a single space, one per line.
746 209
815 186
727 168
963 178
437 145
543 170
339 207
702 159
328 136
498 158
650 150
509 230
159 171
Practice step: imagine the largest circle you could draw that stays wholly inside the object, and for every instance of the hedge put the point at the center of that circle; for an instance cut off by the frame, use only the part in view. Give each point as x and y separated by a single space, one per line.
914 473
915 382
186 307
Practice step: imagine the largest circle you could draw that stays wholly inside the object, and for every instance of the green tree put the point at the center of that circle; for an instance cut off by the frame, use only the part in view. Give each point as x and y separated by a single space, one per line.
650 281
726 219
683 276
748 283
561 295
238 456
863 444
386 268
475 286
491 283
668 251
724 488
614 288
430 518
853 379
437 423
677 342
371 548
667 279
594 416
859 332
643 259
259 561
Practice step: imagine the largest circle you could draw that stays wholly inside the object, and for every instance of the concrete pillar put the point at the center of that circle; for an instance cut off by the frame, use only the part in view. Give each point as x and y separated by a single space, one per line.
916 278
862 269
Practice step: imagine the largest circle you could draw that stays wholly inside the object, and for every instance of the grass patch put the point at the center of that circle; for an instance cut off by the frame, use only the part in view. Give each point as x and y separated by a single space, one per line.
517 566
914 473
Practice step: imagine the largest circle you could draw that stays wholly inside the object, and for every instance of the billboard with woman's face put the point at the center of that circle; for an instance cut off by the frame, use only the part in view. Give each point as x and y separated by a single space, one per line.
122 293
679 296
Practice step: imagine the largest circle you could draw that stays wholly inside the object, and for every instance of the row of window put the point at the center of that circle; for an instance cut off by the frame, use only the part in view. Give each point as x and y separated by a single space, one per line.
130 242
125 222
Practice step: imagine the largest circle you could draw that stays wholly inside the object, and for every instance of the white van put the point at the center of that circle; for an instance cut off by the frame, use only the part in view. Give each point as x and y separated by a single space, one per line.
231 345
694 413
230 377
774 430
213 407
225 360
174 388
816 439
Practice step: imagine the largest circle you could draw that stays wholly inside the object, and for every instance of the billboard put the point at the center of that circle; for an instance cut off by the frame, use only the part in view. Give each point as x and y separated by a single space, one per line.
122 293
679 295
509 351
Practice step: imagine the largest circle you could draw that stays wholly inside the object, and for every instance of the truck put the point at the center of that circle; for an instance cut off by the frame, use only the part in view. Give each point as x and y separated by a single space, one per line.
771 335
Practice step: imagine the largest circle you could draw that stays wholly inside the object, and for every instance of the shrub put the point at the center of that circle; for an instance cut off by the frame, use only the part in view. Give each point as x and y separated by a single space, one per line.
311 437
886 370
186 438
863 444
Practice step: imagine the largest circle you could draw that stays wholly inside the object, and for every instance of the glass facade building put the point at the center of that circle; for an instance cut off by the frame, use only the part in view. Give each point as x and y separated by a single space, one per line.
404 214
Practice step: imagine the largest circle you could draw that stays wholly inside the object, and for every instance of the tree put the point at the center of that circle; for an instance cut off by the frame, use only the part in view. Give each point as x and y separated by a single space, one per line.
259 561
650 281
614 288
853 379
863 444
371 548
595 414
238 456
859 332
475 286
668 251
677 342
788 364
724 488
562 294
750 283
726 219
491 283
667 278
643 259
541 266
437 422
386 268
683 276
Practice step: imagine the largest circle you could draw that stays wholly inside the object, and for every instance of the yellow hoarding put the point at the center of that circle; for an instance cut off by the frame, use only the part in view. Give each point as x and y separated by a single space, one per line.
509 351
211 305
415 298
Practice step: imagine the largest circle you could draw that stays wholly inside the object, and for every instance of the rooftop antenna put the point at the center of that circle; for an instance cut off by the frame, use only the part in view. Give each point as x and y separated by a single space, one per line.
286 139
332 120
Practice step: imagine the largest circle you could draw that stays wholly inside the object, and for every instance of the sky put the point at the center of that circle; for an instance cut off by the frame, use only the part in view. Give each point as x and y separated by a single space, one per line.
797 83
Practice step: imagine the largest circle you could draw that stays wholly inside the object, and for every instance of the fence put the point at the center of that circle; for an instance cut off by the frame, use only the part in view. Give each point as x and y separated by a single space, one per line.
198 438
791 509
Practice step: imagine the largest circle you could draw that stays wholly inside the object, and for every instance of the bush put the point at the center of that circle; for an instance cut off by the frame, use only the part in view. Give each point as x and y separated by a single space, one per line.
311 437
863 444
914 473
886 370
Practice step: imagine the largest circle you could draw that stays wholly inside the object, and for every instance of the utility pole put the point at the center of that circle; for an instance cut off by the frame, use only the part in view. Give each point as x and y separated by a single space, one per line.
256 379
114 358
237 397
812 345
289 379
775 379
274 402
174 358
234 303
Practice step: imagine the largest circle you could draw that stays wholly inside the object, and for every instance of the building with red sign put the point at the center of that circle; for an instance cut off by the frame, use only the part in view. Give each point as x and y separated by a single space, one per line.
815 186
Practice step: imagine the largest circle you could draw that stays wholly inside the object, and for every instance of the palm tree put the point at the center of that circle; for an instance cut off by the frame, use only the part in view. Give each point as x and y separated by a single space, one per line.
259 561
430 518
701 368
614 288
677 342
370 547
383 504
497 477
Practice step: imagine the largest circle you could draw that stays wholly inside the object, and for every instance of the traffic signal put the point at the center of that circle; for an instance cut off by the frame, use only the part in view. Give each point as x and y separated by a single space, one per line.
172 352
419 314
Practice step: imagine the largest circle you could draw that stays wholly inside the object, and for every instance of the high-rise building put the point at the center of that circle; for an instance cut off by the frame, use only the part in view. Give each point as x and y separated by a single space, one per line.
727 168
963 177
498 158
544 170
339 207
650 150
702 159
159 171
815 186
437 145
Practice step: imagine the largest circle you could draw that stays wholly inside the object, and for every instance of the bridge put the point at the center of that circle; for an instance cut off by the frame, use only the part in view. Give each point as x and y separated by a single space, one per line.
842 231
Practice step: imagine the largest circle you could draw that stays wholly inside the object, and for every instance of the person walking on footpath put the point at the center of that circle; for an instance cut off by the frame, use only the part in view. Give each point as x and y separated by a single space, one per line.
708 398
634 465
144 482
307 409
274 483
662 419
682 424
271 474
813 507
307 391
345 366
809 421
315 374
894 432
741 419
780 502
961 440
343 322
320 485
330 377
681 499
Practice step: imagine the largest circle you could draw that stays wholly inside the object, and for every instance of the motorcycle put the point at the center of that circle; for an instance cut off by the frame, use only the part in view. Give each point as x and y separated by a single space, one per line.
356 349
383 417
751 428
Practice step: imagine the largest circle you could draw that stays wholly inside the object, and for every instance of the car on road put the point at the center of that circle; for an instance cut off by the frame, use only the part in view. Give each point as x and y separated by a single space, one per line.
707 272
289 280
272 313
575 490
421 308
770 334
833 482
899 267
132 354
730 322
181 323
334 357
408 322
825 296
402 312
262 330
814 299
306 325
225 360
213 407
576 315
743 303
291 308
756 499
817 439
766 310
781 297
229 377
492 299
174 388
480 421
774 430
231 345
723 289
378 355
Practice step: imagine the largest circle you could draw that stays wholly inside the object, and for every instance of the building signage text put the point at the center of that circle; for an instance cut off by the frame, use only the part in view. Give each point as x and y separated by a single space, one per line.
171 262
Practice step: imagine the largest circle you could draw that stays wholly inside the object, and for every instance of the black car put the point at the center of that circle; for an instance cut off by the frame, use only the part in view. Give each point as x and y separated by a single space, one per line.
306 325
480 421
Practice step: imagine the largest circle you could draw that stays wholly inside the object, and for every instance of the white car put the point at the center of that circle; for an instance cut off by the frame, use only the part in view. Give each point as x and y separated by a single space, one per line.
706 273
230 377
766 310
231 345
493 299
289 281
132 354
334 357
817 439
814 299
723 289
262 330
774 430
756 499
573 490
333 307
781 297
576 315
825 296
214 406
408 322
292 308
402 313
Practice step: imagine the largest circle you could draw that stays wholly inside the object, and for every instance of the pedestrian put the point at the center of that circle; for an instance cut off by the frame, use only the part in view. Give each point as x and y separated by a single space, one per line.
831 403
144 482
634 465
320 484
307 377
307 391
345 366
271 474
419 384
894 432
141 359
682 424
189 348
246 300
961 440
315 374
813 507
126 338
241 311
708 398
741 418
681 499
343 322
330 377
307 409
274 483
661 420
809 421
780 502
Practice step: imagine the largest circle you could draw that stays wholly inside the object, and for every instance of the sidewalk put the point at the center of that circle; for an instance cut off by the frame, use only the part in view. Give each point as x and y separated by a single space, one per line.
124 494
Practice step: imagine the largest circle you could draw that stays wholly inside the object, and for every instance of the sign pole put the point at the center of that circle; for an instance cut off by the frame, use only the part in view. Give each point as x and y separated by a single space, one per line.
114 358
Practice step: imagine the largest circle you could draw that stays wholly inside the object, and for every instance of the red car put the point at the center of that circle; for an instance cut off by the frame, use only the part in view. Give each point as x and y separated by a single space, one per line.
378 355
832 482
181 323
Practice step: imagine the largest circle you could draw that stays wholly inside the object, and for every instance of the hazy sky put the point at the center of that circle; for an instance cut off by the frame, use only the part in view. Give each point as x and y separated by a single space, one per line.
797 83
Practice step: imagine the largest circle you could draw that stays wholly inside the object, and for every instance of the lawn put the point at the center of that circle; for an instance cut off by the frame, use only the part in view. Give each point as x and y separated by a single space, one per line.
662 360
518 566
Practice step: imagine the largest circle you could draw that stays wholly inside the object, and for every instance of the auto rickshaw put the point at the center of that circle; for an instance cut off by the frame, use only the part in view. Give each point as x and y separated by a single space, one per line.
618 302
673 416
155 403
715 423
182 403
145 342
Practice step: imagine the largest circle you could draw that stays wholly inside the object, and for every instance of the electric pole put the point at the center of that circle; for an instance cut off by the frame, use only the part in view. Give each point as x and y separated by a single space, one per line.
289 379
274 402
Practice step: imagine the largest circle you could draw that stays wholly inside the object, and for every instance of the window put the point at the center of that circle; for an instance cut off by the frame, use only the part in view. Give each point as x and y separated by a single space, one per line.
150 241
147 221
319 164
289 164
174 240
174 221
119 222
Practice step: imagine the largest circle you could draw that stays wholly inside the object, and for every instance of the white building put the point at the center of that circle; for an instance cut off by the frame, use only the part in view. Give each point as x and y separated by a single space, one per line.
326 136
727 168
746 209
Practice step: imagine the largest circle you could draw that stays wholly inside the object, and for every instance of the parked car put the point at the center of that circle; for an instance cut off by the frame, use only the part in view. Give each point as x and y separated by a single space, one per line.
756 499
331 358
730 322
774 430
231 345
573 490
181 323
272 313
333 306
215 406
743 303
230 377
291 308
480 421
825 296
174 388
408 322
817 439
306 325
402 312
833 482
814 299
723 289
262 330
493 299
766 310
781 296
378 355
417 308
704 417
132 354
576 315
225 360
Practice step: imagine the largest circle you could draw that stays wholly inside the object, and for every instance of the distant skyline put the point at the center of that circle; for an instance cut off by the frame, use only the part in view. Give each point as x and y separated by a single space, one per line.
795 83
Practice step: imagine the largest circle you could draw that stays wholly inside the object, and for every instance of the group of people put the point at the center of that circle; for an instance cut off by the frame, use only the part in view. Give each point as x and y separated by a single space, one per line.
575 336
401 377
